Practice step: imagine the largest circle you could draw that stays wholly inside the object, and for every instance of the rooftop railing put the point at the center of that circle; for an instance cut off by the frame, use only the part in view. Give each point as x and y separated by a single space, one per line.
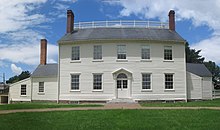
121 24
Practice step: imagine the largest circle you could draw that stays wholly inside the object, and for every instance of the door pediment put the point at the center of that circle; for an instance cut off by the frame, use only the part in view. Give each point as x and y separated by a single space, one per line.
122 70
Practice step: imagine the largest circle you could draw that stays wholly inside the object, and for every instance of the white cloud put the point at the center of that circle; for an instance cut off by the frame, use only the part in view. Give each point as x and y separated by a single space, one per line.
210 48
200 12
27 53
15 69
20 32
15 15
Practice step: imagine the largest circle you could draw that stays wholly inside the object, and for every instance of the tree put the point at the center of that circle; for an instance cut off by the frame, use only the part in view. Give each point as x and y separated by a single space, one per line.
192 55
16 78
214 69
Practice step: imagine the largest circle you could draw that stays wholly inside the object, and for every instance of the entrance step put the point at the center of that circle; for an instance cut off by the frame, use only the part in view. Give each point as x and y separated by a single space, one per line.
122 100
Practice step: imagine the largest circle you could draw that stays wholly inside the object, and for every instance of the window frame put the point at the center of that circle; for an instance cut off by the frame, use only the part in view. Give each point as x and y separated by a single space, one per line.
43 87
97 55
168 56
22 92
171 81
98 89
145 89
121 53
77 53
74 82
148 53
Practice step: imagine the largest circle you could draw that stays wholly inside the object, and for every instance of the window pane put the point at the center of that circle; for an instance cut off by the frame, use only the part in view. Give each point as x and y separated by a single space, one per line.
125 84
146 81
97 81
41 86
75 53
75 82
97 52
122 76
145 52
168 53
168 81
23 89
121 52
118 83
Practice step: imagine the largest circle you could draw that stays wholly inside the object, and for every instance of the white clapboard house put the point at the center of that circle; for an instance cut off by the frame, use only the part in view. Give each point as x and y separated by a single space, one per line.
111 60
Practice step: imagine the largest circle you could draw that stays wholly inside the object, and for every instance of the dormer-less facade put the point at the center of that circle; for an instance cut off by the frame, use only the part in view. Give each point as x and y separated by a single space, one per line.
110 62
116 61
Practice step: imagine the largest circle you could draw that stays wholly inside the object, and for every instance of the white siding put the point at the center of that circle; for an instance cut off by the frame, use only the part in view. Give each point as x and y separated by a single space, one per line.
156 66
15 91
207 88
50 89
194 86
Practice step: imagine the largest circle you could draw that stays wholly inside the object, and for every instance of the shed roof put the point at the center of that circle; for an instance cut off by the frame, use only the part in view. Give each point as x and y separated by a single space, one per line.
122 33
48 70
198 69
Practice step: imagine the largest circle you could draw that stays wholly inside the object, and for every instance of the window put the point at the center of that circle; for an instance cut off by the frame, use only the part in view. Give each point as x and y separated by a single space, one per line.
75 53
41 87
97 81
145 52
75 82
168 81
168 53
23 90
146 81
97 52
121 51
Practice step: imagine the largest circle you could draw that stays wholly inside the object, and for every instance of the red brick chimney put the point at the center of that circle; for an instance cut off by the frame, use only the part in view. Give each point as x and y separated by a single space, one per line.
172 20
43 52
70 21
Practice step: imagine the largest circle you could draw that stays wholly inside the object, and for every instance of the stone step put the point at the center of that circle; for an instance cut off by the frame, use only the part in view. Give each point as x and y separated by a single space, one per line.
122 100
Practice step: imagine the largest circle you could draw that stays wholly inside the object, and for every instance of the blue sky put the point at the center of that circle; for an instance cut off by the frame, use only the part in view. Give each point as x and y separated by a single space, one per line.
24 23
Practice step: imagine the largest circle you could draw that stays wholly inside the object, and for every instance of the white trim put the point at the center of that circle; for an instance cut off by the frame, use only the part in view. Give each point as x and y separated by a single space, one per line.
75 61
75 90
146 60
19 82
97 60
121 60
74 73
168 60
97 90
164 86
151 80
146 90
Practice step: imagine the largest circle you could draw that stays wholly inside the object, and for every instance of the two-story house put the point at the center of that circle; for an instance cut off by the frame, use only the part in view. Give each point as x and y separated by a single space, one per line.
108 60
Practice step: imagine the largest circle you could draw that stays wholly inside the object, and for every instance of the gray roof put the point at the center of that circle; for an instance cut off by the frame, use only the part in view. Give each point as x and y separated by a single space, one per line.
122 33
48 70
198 69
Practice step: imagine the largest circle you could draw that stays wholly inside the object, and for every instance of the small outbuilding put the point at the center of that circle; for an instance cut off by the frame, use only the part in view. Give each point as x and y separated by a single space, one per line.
199 81
4 93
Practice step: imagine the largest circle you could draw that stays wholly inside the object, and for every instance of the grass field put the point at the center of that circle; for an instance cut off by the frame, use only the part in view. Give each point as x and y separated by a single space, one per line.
114 120
208 103
43 105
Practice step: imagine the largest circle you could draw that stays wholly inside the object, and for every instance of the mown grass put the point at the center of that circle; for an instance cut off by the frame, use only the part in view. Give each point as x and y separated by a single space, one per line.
43 105
114 120
208 103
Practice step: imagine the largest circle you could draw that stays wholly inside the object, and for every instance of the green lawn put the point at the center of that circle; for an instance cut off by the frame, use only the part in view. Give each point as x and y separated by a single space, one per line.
43 105
210 103
114 120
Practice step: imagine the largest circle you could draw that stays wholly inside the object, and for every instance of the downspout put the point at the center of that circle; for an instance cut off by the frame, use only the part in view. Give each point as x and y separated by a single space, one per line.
58 78
185 75
31 88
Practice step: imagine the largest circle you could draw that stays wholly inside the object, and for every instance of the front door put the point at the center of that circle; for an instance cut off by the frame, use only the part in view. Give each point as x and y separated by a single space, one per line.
122 86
